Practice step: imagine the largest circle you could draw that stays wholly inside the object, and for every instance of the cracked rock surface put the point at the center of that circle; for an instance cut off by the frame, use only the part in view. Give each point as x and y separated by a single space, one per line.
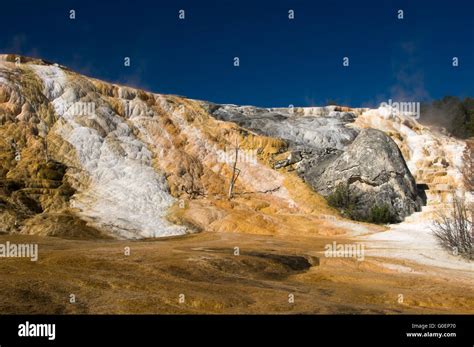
327 150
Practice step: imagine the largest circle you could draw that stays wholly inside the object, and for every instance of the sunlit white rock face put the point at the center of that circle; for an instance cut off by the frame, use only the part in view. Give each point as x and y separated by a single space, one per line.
124 194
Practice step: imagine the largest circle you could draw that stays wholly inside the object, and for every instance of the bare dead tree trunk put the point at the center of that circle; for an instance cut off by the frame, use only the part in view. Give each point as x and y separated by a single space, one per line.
235 172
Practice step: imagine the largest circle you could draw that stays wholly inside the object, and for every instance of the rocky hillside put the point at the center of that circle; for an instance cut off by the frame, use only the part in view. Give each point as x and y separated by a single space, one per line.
83 158
326 149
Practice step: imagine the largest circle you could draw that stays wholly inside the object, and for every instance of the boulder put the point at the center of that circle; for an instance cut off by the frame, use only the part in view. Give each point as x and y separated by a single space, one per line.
375 173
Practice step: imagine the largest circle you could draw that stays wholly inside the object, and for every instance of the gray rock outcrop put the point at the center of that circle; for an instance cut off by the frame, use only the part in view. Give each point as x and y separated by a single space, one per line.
375 172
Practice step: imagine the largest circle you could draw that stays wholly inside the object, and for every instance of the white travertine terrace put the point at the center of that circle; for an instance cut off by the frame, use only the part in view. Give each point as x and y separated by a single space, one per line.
125 194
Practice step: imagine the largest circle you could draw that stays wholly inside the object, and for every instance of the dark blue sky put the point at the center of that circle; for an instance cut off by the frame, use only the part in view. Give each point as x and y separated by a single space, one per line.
282 61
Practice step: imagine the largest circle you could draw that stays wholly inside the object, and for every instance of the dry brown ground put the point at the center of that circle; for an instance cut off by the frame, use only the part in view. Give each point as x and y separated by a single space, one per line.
204 268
